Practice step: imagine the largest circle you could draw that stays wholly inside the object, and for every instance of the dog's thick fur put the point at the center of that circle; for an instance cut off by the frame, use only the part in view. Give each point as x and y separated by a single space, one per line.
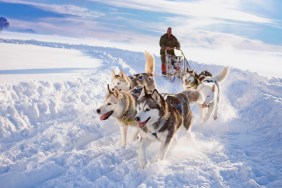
191 79
159 119
209 86
120 105
127 83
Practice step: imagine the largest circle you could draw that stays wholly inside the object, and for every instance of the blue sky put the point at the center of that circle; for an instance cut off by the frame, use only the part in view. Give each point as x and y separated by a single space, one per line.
246 24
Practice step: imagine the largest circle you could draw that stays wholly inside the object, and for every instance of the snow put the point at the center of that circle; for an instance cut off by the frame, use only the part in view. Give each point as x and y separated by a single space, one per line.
53 61
51 136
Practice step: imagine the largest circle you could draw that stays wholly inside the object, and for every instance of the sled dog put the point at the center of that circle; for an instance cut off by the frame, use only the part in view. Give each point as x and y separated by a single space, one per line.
159 119
120 105
137 81
209 86
191 79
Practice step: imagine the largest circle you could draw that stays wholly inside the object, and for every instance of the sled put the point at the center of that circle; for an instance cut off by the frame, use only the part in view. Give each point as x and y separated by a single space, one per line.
176 64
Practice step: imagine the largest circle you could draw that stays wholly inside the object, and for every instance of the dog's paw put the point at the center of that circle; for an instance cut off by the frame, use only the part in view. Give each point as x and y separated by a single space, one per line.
157 159
205 119
143 165
123 145
190 138
201 122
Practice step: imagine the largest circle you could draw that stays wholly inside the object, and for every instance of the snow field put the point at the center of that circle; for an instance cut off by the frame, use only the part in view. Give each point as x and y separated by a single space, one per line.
51 136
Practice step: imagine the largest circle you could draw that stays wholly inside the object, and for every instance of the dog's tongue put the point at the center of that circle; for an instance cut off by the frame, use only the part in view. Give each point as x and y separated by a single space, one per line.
141 124
103 117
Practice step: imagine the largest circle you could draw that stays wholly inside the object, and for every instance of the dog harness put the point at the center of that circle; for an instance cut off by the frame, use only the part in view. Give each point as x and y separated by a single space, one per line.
155 134
127 120
208 81
175 101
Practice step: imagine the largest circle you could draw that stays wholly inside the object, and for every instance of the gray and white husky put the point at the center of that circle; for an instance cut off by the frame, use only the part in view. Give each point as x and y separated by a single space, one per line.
136 81
191 79
159 119
209 86
120 105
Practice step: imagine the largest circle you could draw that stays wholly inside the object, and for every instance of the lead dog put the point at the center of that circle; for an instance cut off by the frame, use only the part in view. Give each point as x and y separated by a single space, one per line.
159 119
120 105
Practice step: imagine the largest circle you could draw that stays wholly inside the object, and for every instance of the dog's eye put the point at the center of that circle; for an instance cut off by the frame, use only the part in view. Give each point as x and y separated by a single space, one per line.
118 83
208 96
147 109
140 77
109 104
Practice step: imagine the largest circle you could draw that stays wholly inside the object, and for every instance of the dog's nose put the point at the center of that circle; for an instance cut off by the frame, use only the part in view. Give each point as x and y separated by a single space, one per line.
137 119
98 111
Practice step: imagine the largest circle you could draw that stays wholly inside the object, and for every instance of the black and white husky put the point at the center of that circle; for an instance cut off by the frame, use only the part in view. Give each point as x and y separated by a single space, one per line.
191 79
159 119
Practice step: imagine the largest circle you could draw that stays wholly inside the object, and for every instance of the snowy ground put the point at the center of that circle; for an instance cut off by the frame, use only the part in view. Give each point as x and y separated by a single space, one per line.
51 136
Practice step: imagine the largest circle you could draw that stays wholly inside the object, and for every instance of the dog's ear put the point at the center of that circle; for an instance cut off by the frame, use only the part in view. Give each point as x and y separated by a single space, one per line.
127 79
196 75
116 92
113 73
213 88
156 96
122 74
109 89
143 93
201 78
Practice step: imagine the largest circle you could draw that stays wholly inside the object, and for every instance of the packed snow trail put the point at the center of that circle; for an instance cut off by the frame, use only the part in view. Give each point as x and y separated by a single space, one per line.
51 136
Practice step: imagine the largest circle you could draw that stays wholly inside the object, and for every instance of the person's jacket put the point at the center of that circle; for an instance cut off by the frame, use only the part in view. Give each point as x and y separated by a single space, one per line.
171 42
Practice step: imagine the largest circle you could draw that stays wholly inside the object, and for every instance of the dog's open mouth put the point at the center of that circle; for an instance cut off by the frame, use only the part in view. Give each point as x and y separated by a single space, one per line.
142 124
106 116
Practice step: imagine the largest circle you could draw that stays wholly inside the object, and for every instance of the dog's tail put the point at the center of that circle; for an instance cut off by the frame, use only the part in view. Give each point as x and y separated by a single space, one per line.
150 63
194 96
222 75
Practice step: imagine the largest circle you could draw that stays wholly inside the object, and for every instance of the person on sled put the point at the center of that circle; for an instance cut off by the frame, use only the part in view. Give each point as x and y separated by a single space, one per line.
167 43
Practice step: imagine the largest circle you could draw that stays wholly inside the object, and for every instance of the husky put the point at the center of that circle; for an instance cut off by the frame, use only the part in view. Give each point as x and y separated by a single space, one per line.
136 82
192 80
209 86
122 106
159 119
203 75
